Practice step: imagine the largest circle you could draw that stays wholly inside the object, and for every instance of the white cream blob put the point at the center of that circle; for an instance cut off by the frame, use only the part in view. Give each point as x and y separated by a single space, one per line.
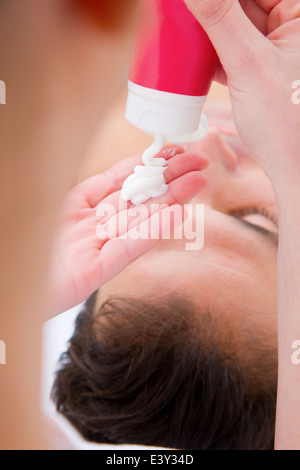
147 181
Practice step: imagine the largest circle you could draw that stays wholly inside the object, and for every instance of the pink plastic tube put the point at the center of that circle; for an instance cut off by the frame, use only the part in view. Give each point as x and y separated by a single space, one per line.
175 59
173 52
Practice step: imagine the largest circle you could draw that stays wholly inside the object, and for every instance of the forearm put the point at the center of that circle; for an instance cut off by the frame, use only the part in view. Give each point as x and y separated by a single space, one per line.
288 403
27 228
22 302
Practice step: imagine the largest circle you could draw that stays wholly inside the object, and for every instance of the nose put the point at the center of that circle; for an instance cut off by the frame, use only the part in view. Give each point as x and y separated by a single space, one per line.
221 171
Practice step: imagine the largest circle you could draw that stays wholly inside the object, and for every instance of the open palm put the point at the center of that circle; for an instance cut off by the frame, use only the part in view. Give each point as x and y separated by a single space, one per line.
82 260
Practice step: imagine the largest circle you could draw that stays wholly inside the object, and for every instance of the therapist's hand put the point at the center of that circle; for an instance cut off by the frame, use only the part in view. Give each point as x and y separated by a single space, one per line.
258 43
84 259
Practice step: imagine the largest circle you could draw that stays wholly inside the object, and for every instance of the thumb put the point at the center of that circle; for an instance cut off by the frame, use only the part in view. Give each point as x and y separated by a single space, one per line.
233 35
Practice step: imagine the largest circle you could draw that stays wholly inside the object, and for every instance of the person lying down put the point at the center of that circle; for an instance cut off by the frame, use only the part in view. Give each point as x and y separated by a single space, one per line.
179 349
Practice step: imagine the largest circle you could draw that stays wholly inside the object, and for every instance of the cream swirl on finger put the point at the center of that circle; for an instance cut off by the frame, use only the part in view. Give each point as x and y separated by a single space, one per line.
147 181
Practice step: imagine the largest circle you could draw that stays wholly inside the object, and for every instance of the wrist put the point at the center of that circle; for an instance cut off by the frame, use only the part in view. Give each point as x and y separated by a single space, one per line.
283 171
286 187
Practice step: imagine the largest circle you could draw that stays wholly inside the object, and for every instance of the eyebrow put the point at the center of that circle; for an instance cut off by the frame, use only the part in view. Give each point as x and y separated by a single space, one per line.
271 236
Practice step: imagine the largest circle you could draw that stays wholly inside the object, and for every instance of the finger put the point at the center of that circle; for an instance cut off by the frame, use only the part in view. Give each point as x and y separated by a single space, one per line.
267 5
185 163
283 12
90 192
178 165
259 17
220 76
117 253
256 14
96 188
180 191
233 35
169 151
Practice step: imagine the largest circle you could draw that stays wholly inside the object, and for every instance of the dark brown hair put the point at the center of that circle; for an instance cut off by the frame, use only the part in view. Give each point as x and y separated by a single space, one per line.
156 373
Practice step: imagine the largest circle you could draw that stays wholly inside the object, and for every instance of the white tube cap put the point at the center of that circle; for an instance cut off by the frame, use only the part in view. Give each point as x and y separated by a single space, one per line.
177 117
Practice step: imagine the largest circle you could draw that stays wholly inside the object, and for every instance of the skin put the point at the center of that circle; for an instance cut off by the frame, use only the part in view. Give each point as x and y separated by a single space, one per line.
235 273
54 61
62 70
267 73
83 260
261 89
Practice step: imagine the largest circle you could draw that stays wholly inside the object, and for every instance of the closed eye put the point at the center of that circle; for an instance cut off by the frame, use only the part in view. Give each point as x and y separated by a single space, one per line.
263 217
